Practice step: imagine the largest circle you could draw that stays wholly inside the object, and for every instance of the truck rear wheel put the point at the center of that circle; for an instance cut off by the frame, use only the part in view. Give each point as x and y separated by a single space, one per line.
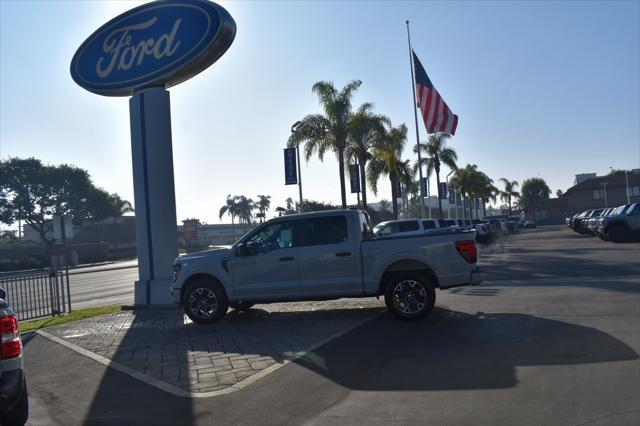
410 295
205 301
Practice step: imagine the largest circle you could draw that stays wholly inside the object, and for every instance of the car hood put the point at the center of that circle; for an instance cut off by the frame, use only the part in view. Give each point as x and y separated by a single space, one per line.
220 251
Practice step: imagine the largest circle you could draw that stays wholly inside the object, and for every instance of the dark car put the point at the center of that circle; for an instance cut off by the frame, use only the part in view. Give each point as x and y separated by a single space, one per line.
14 402
622 227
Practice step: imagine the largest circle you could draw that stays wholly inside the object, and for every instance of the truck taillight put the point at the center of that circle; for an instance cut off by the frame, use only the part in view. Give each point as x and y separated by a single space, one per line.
10 345
468 250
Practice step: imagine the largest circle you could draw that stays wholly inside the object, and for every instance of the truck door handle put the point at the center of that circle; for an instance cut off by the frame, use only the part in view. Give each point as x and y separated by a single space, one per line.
343 254
286 258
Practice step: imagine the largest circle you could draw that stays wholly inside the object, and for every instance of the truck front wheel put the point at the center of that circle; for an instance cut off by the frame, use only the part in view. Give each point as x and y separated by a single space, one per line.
410 295
205 301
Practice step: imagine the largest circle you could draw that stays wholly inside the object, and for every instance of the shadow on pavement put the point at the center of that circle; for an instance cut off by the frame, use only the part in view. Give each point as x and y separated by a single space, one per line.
147 345
455 351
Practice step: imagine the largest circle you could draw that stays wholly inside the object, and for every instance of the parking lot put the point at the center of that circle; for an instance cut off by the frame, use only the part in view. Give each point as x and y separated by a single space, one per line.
551 337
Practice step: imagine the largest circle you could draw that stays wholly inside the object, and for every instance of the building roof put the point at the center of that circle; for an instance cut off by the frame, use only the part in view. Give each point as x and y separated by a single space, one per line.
611 180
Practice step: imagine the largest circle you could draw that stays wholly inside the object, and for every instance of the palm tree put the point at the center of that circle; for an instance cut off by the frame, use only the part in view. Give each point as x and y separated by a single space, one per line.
263 204
289 202
386 160
464 181
437 153
328 131
509 191
119 207
365 129
230 208
245 208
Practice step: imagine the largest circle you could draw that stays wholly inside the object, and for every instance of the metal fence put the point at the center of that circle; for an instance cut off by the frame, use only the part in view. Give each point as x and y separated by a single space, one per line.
37 294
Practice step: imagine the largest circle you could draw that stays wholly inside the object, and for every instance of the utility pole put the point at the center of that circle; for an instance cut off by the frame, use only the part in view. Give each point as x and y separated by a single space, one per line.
295 129
604 185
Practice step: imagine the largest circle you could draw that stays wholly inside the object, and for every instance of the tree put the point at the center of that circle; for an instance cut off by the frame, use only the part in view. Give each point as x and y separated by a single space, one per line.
534 190
365 129
34 192
559 193
509 191
290 204
473 183
437 153
263 204
230 208
386 161
328 131
119 207
245 207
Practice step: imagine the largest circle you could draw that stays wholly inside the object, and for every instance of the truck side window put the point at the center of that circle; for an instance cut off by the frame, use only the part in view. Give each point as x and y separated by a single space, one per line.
324 230
271 237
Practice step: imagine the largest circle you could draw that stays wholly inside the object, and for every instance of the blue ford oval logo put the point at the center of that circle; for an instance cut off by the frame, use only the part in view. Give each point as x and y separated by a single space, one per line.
162 43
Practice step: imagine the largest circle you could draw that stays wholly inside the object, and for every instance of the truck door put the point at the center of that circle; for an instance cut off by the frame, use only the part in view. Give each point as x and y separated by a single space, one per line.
329 257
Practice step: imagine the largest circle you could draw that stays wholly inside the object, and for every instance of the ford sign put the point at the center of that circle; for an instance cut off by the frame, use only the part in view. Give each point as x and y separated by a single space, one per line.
158 44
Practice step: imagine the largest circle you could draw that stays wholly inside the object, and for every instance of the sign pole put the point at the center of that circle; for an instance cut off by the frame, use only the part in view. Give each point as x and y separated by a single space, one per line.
299 175
415 116
154 194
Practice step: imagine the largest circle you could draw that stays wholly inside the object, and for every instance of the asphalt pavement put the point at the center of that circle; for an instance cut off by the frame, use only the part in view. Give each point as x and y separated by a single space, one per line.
551 338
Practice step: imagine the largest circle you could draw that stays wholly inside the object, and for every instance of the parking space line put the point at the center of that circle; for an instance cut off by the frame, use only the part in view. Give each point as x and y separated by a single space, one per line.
174 390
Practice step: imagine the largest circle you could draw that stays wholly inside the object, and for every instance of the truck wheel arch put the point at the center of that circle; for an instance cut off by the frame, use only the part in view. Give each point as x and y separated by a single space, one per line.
409 265
199 276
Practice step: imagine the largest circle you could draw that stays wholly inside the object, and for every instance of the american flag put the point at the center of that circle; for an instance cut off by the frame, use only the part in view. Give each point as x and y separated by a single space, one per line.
436 114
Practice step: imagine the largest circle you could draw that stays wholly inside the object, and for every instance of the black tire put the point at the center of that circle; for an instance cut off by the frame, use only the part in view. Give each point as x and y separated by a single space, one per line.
20 413
241 306
205 301
410 295
617 234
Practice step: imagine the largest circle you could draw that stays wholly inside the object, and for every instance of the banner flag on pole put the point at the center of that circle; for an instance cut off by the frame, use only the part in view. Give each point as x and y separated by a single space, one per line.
452 196
442 191
425 187
436 114
354 176
290 169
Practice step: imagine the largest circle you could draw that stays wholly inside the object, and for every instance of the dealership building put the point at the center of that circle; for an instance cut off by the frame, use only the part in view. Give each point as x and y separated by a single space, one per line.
589 192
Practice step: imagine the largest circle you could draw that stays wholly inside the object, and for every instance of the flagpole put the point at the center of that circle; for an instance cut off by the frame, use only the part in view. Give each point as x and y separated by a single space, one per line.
415 116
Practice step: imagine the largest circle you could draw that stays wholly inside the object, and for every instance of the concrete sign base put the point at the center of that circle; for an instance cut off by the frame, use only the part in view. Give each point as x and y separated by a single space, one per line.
154 194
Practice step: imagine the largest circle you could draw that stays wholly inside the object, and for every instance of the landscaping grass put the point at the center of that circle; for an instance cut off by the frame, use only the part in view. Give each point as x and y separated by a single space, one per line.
76 315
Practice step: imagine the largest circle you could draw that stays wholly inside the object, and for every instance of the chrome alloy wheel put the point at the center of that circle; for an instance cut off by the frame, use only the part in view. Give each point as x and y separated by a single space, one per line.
203 302
409 297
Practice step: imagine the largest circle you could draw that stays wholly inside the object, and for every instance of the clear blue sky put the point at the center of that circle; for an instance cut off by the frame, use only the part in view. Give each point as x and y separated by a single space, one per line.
548 88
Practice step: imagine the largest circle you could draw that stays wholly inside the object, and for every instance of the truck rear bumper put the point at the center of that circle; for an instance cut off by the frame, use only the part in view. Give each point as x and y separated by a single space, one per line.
477 277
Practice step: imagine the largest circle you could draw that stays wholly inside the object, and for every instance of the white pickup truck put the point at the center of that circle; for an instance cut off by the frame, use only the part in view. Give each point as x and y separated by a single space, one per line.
322 256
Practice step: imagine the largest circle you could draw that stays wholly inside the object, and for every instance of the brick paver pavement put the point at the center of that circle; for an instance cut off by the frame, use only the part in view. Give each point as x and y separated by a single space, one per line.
164 344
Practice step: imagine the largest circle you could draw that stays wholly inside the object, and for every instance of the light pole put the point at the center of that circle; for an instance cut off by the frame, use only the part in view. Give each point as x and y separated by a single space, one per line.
604 185
626 178
295 129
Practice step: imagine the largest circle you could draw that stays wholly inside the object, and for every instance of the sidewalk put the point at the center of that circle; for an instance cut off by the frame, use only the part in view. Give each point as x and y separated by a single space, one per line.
164 349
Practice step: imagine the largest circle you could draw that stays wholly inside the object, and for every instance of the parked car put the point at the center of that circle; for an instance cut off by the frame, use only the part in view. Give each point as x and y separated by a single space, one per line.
464 223
579 223
14 402
613 212
529 224
321 256
592 222
624 226
412 226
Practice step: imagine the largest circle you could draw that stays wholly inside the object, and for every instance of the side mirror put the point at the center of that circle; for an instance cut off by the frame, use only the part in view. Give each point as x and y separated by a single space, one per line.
243 250
3 293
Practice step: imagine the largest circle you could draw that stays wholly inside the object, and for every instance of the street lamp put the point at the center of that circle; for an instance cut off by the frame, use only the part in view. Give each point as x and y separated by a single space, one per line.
604 185
297 126
626 178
